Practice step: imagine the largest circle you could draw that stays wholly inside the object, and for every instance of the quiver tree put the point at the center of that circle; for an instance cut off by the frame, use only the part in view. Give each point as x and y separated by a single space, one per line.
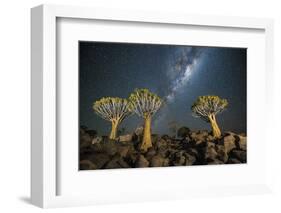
114 110
145 104
207 107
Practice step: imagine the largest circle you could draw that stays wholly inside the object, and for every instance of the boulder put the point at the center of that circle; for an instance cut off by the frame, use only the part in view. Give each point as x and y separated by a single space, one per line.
178 159
132 158
84 139
157 161
139 131
189 159
166 137
229 143
113 164
240 155
161 143
222 154
154 138
199 135
164 151
150 153
99 159
109 147
97 140
123 150
200 143
211 152
123 163
215 162
141 162
87 165
193 152
125 138
97 148
92 133
242 143
183 132
117 162
233 161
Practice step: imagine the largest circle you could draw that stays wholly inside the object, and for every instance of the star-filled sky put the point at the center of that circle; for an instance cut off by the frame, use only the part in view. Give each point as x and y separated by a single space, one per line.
178 74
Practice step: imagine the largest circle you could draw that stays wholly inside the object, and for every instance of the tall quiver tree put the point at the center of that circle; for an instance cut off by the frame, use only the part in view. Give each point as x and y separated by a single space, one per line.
207 107
145 104
114 110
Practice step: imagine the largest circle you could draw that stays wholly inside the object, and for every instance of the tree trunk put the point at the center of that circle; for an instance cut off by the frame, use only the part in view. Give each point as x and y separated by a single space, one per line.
215 128
146 140
113 132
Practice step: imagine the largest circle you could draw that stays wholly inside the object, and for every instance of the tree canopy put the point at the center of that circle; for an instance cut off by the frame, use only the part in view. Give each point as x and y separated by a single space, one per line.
145 103
110 108
208 105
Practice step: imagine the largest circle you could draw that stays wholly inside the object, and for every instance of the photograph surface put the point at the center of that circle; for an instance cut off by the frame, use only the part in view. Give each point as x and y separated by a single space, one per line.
155 105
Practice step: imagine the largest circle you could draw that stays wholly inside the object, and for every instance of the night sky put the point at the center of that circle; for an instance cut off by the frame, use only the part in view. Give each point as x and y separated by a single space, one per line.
178 74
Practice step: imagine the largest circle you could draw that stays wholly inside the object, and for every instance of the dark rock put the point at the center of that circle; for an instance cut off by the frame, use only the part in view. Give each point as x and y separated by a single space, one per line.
99 159
157 161
155 138
233 161
183 132
113 164
123 150
139 131
166 137
189 159
178 159
210 138
215 162
240 155
200 143
186 141
123 163
92 133
97 148
87 165
142 162
132 158
229 143
84 139
211 152
150 153
222 154
117 162
199 135
242 143
97 140
125 138
110 147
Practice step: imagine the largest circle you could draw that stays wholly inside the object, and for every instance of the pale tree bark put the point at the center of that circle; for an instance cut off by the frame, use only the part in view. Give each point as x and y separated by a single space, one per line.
146 141
114 126
215 128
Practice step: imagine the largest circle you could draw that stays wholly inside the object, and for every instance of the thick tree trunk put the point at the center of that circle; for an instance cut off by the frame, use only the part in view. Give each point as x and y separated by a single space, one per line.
113 133
215 128
146 140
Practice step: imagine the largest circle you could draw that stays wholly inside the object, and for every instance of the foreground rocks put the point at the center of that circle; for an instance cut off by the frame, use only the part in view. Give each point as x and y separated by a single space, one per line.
195 148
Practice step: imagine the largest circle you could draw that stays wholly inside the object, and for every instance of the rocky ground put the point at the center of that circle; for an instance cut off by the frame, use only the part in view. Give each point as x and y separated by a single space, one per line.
196 148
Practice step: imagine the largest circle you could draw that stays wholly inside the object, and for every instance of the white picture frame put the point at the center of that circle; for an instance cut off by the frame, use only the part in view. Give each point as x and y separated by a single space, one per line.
44 154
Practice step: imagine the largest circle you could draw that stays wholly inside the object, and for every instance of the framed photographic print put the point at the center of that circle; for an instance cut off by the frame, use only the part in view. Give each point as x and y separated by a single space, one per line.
149 106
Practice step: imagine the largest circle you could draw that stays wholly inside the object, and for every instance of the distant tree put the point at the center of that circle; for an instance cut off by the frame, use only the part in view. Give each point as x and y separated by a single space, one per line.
145 104
207 107
183 132
114 110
